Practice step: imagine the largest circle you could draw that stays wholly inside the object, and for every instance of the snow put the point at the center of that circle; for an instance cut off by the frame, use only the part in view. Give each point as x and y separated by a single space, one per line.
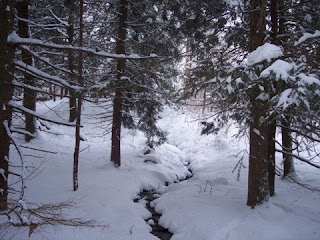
285 100
265 52
280 68
210 205
308 79
307 36
149 20
150 222
2 173
134 55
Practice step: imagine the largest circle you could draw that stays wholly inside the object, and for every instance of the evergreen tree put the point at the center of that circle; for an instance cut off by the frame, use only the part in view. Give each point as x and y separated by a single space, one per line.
138 91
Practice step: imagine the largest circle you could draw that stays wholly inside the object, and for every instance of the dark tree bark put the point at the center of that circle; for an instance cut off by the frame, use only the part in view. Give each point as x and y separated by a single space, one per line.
288 166
29 96
187 71
258 189
6 91
54 93
70 31
117 102
274 20
78 120
61 92
272 122
271 156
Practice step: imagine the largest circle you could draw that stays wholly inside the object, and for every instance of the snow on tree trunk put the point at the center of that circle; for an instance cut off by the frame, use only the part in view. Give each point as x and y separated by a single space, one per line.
258 189
29 96
6 91
117 102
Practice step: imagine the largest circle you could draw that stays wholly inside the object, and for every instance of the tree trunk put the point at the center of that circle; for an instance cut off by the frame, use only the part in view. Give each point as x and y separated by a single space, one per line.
6 91
274 21
272 123
117 102
29 96
54 93
258 189
187 72
61 92
288 166
70 31
271 155
78 120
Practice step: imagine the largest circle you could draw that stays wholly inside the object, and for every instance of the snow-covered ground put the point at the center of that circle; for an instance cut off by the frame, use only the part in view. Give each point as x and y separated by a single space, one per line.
210 205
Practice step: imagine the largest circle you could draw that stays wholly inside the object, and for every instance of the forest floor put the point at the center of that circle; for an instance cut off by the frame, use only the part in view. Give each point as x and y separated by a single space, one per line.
209 205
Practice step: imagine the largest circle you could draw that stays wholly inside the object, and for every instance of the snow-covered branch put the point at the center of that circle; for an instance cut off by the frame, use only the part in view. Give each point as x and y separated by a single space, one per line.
35 114
37 24
43 75
15 39
307 36
46 61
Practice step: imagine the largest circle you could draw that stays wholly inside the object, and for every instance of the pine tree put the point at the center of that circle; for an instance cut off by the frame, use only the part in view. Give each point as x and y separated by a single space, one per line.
138 85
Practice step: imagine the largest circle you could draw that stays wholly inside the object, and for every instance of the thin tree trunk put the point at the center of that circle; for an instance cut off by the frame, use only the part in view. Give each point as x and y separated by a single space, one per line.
70 31
258 189
61 93
288 166
54 93
187 72
6 91
78 120
29 96
204 100
117 102
271 156
274 21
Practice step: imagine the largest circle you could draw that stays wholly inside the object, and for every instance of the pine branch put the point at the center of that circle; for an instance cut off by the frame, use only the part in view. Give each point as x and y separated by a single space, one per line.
15 39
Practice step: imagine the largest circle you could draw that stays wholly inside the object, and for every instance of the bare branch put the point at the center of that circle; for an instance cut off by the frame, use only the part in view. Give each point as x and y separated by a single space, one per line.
299 158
